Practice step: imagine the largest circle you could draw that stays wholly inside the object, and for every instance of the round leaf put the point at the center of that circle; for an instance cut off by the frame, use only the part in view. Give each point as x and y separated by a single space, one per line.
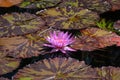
57 68
93 38
68 18
19 24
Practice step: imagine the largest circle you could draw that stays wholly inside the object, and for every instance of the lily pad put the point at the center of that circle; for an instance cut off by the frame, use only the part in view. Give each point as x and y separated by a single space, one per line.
15 24
68 18
93 38
9 3
98 6
38 3
8 65
57 69
115 4
24 46
115 73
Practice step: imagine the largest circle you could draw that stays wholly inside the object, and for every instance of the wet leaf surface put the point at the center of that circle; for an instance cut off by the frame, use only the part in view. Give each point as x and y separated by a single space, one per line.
8 65
38 3
57 68
115 4
19 24
68 18
9 3
94 38
99 6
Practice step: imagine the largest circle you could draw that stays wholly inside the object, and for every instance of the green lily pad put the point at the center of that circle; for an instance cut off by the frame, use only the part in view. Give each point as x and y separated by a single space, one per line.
19 24
8 65
64 18
38 3
93 38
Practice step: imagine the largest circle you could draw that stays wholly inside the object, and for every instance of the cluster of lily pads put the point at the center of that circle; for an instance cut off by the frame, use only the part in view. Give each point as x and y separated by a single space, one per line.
59 26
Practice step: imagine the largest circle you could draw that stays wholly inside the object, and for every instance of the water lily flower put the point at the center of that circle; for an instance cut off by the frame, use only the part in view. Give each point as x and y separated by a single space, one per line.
60 41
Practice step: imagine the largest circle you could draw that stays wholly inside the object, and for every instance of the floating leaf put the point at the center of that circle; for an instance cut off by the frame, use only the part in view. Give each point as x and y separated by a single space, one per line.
99 6
19 24
9 3
115 73
93 38
66 69
39 3
68 18
115 4
58 69
8 65
24 46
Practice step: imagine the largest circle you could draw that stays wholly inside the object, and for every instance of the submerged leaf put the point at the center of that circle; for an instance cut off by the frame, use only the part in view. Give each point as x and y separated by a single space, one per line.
19 24
94 38
68 18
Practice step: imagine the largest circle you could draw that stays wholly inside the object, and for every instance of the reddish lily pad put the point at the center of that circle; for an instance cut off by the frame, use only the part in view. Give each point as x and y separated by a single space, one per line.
9 3
115 4
38 3
19 24
68 18
58 69
94 38
8 65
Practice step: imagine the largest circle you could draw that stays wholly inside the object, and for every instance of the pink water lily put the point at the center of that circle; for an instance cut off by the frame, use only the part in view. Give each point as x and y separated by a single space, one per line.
60 41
